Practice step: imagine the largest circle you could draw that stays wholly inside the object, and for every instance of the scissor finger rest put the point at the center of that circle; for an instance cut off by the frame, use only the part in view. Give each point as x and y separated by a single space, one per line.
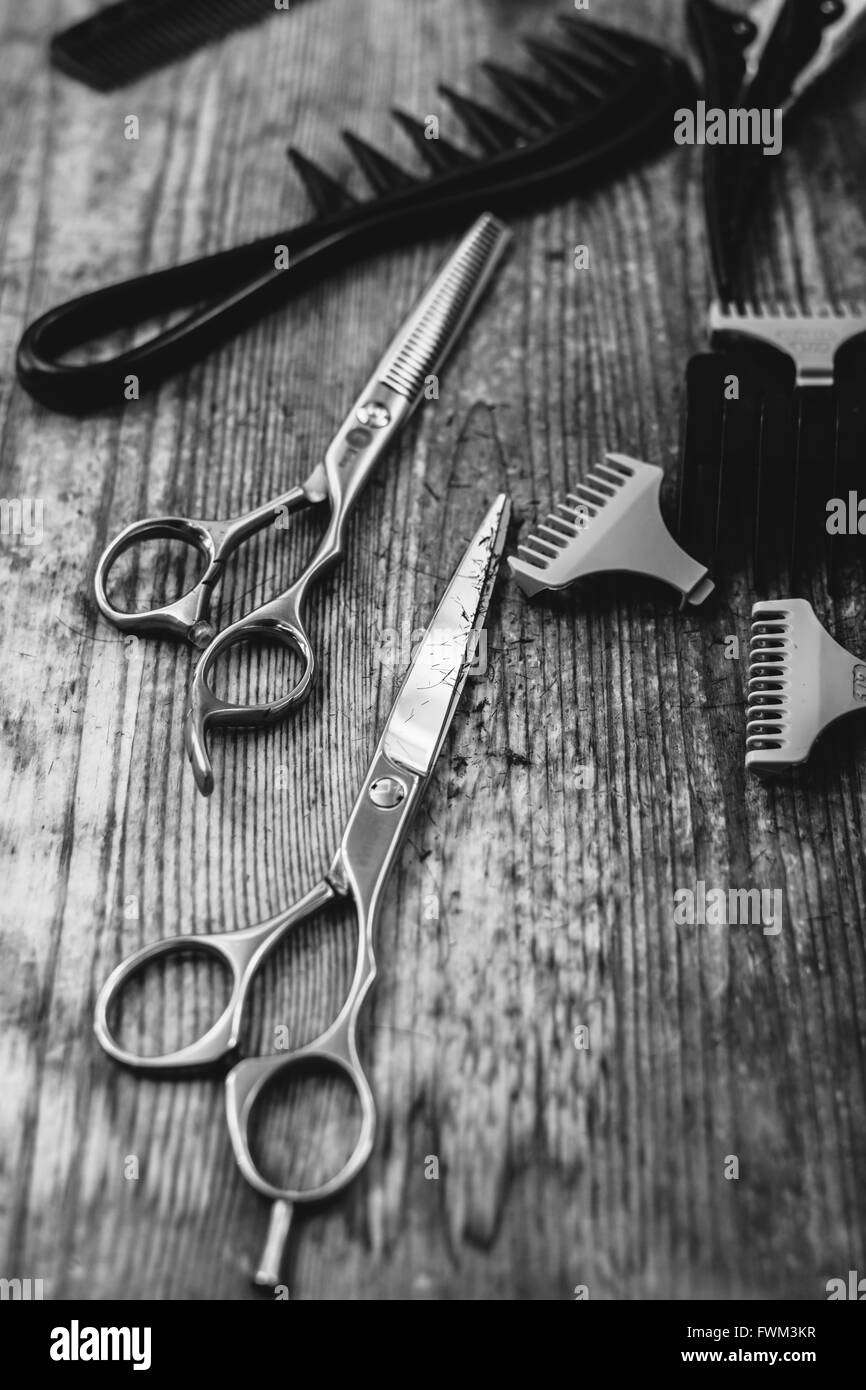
245 1085
206 707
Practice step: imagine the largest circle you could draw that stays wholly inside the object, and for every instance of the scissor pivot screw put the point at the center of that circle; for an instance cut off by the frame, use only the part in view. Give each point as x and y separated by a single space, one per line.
374 413
387 792
201 634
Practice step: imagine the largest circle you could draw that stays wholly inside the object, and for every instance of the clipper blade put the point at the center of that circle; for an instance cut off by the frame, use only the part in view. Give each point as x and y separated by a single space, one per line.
612 521
800 682
810 340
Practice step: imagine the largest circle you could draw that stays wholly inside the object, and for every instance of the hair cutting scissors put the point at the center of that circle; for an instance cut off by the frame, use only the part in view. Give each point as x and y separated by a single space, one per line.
395 782
377 417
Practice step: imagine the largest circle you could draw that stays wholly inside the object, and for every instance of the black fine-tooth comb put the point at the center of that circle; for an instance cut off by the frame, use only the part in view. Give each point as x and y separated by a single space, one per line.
605 94
122 42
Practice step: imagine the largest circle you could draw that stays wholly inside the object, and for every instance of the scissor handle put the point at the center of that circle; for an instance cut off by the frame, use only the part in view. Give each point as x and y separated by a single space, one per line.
244 1085
188 618
242 951
281 621
336 1050
246 1081
181 618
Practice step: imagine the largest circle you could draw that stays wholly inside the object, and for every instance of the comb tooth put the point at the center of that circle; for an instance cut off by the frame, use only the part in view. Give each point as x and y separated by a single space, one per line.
774 628
580 515
768 645
532 556
381 173
558 537
494 133
597 499
609 474
440 154
543 547
623 466
601 485
324 192
576 72
621 49
770 619
534 102
767 677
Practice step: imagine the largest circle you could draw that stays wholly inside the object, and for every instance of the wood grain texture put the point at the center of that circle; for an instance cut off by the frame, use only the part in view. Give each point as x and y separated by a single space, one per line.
523 905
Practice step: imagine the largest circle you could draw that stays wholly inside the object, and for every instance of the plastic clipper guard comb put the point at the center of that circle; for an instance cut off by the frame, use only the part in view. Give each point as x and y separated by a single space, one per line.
604 94
801 681
612 521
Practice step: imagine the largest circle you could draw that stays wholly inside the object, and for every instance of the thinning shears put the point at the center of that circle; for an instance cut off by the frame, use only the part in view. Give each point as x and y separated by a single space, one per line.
395 782
375 420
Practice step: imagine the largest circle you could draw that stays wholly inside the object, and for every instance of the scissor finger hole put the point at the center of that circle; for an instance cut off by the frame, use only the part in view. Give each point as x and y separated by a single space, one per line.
170 1002
305 1126
256 671
153 573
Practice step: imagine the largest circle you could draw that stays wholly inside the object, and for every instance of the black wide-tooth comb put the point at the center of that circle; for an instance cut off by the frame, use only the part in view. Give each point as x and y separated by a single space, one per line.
123 42
608 93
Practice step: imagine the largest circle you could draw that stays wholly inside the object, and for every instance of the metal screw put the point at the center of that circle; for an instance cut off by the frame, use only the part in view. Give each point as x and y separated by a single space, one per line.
374 413
387 792
202 633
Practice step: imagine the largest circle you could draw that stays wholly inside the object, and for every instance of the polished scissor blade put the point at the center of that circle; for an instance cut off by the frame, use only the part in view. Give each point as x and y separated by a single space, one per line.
429 695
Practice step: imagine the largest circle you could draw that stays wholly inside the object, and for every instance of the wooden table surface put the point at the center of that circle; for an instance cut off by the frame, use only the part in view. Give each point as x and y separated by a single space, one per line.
525 904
